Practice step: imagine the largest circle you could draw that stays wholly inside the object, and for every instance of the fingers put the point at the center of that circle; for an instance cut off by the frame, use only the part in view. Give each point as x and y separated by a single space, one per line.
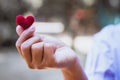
42 55
48 58
26 49
19 29
37 55
24 36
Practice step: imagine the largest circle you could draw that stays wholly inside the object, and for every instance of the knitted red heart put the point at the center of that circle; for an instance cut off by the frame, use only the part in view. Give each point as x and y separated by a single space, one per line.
24 22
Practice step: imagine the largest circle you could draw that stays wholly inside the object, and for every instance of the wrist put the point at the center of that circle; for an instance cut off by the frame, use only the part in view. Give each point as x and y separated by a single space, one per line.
74 72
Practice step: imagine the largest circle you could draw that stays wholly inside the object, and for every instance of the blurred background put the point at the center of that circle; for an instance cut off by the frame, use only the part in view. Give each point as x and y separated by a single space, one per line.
73 21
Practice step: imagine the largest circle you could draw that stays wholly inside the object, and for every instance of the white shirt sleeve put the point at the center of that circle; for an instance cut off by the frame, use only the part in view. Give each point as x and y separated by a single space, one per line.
100 61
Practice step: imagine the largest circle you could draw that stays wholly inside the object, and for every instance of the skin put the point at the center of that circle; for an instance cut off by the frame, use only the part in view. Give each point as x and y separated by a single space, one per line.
43 52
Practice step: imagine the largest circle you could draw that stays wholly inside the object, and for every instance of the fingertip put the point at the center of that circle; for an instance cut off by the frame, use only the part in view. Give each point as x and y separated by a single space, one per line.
19 30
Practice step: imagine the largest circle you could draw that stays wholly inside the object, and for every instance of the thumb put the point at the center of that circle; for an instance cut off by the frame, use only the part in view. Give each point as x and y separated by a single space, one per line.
19 30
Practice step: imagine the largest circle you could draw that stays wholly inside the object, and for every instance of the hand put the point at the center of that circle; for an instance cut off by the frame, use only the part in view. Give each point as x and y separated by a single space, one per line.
41 52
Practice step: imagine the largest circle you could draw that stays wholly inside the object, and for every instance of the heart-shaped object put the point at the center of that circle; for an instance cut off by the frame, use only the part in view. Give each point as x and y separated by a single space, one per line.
24 22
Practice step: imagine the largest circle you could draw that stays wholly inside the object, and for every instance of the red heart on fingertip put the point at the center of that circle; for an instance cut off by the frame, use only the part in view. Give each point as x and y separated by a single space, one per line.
24 22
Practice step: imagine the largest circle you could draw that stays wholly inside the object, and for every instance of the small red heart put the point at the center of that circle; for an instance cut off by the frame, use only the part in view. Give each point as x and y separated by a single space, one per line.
24 22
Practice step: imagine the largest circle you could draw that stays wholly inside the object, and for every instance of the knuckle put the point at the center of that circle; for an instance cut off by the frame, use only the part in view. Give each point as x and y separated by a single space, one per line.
17 45
25 46
35 46
48 45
